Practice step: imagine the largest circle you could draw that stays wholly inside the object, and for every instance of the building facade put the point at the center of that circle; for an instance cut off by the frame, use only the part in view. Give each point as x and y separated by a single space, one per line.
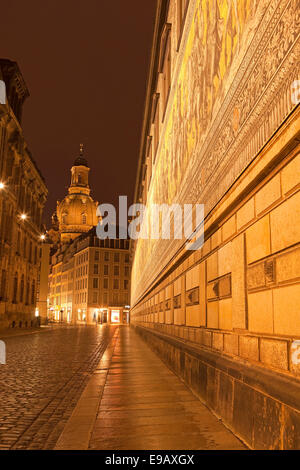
221 128
22 198
42 283
89 281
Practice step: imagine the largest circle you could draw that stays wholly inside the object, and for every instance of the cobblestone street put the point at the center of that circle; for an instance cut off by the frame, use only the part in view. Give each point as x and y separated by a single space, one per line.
42 381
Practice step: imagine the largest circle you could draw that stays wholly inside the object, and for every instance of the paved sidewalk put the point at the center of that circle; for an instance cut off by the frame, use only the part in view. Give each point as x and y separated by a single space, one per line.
134 401
44 376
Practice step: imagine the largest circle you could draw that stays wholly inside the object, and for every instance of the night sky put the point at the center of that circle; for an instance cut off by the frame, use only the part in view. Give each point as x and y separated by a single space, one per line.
85 64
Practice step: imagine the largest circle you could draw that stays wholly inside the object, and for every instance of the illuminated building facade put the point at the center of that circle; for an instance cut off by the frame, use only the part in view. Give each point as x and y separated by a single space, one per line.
90 281
23 195
221 128
89 278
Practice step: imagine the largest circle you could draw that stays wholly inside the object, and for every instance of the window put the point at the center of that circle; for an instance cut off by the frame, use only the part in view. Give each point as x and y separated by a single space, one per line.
126 271
116 283
96 269
83 219
126 282
106 256
18 242
116 271
22 288
24 246
15 289
27 293
116 257
95 297
30 253
126 258
95 283
105 283
105 298
64 218
105 268
97 255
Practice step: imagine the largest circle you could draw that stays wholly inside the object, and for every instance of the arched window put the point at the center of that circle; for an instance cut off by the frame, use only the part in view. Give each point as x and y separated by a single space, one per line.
83 219
3 284
15 289
30 253
18 242
79 179
24 246
22 289
33 293
27 292
64 218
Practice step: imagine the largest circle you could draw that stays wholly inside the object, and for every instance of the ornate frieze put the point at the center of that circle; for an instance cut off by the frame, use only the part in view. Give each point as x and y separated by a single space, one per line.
226 101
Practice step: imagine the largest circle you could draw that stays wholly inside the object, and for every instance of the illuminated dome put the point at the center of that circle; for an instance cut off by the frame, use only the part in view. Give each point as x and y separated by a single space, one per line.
77 211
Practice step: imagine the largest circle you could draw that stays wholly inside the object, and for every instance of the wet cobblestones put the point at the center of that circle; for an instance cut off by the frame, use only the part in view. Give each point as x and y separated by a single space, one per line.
42 381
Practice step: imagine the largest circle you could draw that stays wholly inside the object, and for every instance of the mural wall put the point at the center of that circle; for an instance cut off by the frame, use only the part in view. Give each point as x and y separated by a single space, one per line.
231 89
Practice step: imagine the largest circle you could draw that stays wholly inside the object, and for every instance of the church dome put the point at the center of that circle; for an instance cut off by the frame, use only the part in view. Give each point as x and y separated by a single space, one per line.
76 213
80 161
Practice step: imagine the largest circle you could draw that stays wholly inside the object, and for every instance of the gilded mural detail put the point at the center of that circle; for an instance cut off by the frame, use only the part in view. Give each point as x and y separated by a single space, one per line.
232 91
214 40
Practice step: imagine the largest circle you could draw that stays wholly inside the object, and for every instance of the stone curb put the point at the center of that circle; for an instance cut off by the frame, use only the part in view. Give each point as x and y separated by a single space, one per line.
78 430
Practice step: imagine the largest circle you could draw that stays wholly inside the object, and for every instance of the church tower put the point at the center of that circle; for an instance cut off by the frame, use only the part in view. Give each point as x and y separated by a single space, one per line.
77 211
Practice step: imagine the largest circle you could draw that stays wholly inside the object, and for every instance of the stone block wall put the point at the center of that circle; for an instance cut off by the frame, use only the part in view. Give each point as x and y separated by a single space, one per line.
237 299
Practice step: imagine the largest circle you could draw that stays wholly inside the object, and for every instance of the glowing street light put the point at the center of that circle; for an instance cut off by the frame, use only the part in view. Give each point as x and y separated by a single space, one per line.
2 185
23 216
42 237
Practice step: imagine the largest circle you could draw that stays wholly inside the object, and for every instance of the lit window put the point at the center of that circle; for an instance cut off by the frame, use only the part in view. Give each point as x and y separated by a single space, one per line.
115 316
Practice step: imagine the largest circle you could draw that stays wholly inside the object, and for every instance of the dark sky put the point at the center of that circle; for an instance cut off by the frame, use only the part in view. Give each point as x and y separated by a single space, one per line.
85 64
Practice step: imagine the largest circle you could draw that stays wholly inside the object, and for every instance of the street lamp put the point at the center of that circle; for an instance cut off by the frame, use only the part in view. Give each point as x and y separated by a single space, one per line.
23 216
42 237
2 185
